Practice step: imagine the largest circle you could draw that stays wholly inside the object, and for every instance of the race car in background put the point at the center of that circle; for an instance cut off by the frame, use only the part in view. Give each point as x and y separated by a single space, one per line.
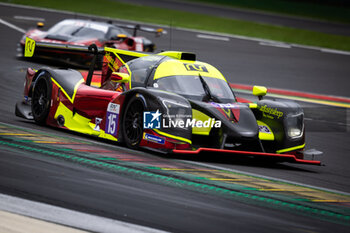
86 32
168 102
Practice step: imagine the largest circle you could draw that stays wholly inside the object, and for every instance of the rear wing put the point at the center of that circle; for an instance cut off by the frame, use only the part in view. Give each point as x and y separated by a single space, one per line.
158 32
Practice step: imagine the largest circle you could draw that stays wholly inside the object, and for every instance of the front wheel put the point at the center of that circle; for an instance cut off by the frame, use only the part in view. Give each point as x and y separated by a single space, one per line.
41 97
132 128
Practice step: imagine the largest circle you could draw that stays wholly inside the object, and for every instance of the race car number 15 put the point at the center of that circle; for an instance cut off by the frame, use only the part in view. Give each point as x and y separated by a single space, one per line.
29 47
112 119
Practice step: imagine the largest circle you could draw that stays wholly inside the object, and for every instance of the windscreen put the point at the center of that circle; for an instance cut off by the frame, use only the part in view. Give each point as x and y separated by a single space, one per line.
192 87
114 31
141 68
79 29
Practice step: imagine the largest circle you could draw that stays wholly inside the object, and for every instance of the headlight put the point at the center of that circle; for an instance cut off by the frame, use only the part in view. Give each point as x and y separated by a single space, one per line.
177 113
294 132
23 38
175 109
295 125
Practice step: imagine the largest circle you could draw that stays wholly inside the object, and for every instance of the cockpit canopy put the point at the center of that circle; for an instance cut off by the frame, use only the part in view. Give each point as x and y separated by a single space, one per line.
192 79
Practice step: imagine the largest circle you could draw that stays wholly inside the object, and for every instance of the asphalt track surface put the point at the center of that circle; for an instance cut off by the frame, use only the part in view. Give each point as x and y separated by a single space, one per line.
173 205
249 15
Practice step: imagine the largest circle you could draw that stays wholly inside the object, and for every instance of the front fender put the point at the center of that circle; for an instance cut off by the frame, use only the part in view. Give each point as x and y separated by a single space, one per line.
173 108
285 119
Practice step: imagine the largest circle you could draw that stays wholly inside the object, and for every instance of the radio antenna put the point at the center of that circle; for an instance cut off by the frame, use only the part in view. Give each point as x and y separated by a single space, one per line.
171 33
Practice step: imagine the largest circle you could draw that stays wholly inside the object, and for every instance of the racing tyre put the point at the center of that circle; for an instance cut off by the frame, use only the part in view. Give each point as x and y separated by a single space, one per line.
41 97
132 128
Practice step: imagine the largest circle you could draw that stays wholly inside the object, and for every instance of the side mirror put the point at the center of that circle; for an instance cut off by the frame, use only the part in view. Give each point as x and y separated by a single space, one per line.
119 37
159 32
130 42
259 91
40 24
120 77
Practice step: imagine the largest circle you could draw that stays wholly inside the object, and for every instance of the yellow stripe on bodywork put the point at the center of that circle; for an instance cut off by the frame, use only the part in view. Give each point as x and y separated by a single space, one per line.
290 149
74 122
71 99
199 116
102 134
178 67
124 52
265 136
253 105
78 123
173 136
95 84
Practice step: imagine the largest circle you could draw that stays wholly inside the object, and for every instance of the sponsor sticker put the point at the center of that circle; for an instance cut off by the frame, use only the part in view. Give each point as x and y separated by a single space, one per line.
195 67
155 120
29 47
153 138
114 108
151 120
270 112
264 129
228 105
139 44
97 124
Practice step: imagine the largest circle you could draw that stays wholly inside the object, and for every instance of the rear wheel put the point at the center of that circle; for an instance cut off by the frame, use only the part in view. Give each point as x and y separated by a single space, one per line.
41 97
132 128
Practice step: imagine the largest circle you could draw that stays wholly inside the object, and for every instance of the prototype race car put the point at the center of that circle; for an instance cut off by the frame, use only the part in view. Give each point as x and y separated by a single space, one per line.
87 32
168 102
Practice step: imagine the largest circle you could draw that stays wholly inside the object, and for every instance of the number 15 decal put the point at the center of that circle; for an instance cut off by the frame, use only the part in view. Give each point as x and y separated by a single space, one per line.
112 117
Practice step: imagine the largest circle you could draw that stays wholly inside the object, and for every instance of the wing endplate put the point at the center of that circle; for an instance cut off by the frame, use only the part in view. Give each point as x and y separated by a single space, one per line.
118 57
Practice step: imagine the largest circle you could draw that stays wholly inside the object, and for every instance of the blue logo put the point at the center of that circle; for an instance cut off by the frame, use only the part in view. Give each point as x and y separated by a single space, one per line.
151 120
153 138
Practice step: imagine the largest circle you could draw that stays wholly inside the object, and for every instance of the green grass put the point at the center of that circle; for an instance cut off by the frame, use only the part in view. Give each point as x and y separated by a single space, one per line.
330 10
196 21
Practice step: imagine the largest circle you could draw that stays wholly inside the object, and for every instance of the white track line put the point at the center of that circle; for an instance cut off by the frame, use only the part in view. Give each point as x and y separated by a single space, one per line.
335 51
28 18
12 26
276 44
67 217
211 37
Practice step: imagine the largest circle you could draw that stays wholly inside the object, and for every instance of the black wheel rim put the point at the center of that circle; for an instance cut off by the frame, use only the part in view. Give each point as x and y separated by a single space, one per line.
40 98
133 123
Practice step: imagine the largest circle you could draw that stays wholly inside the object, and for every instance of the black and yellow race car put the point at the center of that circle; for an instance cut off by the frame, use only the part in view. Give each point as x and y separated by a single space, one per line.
168 102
